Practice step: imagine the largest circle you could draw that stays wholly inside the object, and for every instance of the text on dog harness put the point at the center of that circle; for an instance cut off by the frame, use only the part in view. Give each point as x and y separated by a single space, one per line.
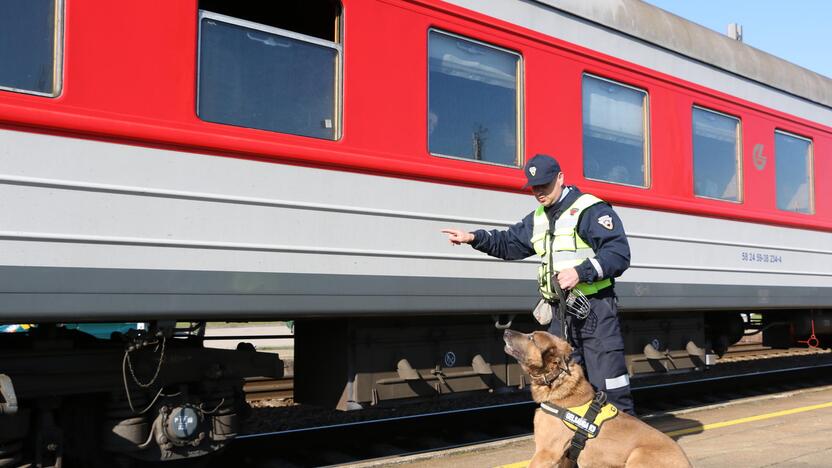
585 420
574 417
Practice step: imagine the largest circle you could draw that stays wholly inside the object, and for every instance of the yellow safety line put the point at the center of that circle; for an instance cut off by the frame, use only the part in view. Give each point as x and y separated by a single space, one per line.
759 417
690 430
522 464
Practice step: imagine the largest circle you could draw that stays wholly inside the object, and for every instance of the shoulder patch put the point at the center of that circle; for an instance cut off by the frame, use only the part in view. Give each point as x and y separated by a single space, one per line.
606 221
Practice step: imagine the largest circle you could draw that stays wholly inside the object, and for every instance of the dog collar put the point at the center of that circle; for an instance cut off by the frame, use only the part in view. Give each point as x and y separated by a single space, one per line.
546 379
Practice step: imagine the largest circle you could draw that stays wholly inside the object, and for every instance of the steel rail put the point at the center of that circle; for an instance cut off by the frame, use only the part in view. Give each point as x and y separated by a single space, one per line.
636 389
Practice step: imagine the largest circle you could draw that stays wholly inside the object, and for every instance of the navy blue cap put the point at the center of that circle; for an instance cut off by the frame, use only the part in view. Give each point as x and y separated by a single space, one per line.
540 170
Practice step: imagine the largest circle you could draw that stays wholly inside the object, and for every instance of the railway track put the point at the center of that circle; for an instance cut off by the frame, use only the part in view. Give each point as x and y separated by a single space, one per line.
378 441
752 351
376 436
262 389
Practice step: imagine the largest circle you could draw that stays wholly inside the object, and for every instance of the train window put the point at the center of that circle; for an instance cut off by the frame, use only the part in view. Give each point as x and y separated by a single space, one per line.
30 43
474 100
794 172
271 66
717 169
615 132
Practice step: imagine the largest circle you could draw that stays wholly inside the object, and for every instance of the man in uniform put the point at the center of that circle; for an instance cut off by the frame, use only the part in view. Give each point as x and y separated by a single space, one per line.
582 245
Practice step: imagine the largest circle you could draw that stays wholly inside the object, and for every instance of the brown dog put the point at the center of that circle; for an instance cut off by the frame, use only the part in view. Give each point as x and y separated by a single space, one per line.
621 441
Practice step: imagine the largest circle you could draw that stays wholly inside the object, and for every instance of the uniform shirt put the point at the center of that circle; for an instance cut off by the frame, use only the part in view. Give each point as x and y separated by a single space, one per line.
612 251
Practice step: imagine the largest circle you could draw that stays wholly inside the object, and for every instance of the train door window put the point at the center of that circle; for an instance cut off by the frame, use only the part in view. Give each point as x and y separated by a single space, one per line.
794 172
615 132
474 100
30 46
717 169
271 65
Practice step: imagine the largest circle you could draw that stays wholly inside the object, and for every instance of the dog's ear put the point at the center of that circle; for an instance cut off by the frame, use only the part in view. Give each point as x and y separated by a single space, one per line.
554 346
564 350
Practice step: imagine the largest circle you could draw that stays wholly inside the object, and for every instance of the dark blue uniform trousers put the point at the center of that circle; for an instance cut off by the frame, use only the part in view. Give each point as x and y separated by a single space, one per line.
599 346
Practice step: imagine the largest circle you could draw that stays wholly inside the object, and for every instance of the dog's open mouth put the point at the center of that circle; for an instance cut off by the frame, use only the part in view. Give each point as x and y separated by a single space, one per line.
510 349
513 352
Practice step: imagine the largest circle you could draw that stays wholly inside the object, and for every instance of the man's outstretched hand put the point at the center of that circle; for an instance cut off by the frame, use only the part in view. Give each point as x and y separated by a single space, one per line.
459 237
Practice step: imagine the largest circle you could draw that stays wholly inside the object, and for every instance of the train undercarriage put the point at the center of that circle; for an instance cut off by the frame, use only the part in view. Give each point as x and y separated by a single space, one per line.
70 399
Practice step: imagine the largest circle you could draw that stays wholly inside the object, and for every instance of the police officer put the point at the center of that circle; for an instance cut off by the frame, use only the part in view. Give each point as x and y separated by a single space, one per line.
579 237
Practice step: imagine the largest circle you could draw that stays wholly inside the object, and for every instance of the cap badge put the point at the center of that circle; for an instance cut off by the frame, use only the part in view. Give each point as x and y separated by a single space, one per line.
532 170
606 221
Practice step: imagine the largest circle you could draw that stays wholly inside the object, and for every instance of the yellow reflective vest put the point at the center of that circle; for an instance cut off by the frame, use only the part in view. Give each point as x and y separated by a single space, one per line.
563 248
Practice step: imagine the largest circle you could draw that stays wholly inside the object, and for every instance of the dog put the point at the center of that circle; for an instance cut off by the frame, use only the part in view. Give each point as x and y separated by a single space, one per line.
622 440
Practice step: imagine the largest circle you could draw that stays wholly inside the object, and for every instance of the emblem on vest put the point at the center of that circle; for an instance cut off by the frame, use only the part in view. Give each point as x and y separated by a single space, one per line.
606 221
532 170
573 211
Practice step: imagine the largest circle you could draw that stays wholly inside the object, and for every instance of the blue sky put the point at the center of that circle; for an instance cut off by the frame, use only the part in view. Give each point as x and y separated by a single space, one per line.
799 31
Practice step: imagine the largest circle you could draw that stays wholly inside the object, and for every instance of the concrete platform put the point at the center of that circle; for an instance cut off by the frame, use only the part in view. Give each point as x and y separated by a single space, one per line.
789 430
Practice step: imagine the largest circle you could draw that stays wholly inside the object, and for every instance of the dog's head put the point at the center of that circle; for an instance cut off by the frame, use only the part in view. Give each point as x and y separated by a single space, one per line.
542 355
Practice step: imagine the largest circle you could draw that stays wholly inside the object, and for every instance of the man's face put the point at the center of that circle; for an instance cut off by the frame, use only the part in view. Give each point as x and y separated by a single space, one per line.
549 193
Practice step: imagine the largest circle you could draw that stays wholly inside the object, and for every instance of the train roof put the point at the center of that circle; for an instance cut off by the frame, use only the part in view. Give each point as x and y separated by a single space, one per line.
659 27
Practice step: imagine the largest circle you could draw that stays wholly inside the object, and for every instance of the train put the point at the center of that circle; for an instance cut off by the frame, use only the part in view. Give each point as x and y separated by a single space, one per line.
176 163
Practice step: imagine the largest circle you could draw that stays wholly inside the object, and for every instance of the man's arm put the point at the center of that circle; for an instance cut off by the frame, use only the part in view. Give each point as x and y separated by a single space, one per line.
457 236
513 243
602 229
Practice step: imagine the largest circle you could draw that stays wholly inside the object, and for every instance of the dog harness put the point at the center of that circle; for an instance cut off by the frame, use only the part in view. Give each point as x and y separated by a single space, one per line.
585 420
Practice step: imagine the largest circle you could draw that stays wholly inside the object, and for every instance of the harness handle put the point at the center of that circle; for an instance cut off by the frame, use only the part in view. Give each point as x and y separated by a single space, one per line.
579 439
